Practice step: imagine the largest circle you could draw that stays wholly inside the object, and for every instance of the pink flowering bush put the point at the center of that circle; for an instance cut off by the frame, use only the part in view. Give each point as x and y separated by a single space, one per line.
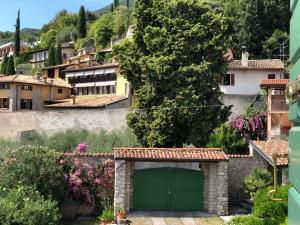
82 147
89 184
253 127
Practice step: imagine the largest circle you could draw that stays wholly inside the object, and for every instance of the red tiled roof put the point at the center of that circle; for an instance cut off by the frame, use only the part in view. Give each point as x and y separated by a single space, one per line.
102 154
274 83
268 148
239 156
171 154
263 64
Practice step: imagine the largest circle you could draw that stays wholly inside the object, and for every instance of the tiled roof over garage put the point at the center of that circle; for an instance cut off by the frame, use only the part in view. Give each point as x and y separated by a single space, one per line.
274 83
268 148
170 154
265 64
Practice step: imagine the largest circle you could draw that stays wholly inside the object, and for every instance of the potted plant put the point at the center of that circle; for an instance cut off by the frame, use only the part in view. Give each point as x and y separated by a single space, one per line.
121 214
106 217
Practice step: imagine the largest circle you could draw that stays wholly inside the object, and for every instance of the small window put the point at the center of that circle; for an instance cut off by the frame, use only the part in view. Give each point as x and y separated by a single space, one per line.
228 80
4 103
65 56
59 91
271 76
27 87
26 103
4 86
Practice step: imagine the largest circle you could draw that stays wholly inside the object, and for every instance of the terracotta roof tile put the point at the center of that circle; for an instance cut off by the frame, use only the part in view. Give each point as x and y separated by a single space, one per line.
172 154
275 83
268 148
239 156
27 79
263 64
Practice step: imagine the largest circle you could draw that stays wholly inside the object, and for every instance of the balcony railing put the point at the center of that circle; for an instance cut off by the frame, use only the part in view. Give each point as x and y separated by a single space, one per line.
279 105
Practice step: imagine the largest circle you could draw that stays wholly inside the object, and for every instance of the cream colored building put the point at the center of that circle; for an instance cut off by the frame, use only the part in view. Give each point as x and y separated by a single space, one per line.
22 92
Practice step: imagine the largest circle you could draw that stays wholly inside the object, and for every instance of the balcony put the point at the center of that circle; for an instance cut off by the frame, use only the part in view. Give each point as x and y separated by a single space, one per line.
278 104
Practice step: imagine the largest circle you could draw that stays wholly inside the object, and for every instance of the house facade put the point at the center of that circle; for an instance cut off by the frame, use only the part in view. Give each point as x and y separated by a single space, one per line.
278 125
21 92
242 81
9 49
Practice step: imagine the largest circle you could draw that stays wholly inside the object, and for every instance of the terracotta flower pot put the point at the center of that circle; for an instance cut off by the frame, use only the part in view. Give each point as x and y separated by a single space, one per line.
121 215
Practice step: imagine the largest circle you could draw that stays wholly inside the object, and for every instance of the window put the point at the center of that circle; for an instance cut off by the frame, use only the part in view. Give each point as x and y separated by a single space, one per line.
271 76
59 91
27 87
64 56
228 80
26 103
4 103
4 86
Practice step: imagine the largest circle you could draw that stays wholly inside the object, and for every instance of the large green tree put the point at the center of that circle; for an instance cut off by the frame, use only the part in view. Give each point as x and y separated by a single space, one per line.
4 65
81 26
58 55
17 36
10 69
51 56
173 64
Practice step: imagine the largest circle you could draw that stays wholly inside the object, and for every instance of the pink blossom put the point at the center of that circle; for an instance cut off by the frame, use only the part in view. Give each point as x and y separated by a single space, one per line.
82 147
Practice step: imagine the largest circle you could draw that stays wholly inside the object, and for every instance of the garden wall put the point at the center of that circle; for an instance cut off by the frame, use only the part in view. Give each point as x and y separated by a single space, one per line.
50 122
239 167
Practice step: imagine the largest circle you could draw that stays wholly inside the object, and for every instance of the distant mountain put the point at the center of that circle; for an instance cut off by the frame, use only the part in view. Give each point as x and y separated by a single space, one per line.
27 34
107 8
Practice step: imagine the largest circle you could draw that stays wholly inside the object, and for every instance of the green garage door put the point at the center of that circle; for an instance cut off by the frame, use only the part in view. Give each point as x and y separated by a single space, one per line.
168 189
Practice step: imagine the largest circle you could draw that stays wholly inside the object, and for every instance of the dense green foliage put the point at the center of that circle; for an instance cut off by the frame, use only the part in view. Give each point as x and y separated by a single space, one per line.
258 179
173 65
4 65
254 22
227 138
58 55
101 141
51 56
33 166
17 36
81 25
24 205
10 69
251 220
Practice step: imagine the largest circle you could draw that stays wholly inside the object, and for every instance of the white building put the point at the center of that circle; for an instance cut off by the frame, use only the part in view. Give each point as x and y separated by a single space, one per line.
242 81
9 49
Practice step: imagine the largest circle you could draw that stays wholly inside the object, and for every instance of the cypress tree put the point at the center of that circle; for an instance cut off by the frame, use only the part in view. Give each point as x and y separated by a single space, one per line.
128 4
51 56
17 36
81 23
112 7
58 55
116 3
4 65
10 69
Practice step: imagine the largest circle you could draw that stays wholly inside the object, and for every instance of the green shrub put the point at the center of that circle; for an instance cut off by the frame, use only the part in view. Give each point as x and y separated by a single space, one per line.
258 179
264 207
227 138
26 206
36 166
251 220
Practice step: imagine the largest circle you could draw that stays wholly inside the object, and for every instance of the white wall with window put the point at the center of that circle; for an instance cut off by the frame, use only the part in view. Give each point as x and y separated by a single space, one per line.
4 103
245 82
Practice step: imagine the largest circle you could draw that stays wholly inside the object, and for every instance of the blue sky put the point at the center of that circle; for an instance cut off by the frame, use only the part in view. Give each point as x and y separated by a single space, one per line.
35 13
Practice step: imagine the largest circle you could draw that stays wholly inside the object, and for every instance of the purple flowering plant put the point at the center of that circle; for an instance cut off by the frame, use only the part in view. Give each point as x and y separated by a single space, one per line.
82 148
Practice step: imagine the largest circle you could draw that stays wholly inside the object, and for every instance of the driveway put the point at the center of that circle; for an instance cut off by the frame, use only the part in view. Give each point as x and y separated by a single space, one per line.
174 218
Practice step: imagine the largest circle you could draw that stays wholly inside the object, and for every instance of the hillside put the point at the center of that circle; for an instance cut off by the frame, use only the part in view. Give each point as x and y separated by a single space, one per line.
29 34
107 8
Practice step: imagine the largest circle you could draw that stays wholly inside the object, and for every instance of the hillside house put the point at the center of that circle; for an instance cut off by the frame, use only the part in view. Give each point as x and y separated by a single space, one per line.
22 92
242 81
9 49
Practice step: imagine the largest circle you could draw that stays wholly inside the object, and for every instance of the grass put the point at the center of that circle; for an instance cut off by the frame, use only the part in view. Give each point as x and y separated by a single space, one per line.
67 141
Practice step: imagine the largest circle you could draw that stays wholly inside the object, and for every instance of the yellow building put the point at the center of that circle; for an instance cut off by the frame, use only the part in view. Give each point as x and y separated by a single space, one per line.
22 92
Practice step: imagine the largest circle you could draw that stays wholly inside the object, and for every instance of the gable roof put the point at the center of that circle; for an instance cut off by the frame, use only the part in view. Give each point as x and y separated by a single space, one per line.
264 64
26 79
267 148
170 154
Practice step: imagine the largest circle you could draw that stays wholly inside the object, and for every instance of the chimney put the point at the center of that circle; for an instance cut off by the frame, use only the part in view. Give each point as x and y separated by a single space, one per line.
245 57
38 75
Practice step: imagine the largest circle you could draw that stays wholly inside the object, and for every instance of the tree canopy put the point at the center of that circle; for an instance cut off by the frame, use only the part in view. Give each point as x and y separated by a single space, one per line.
10 69
81 25
17 36
4 65
173 64
51 56
58 55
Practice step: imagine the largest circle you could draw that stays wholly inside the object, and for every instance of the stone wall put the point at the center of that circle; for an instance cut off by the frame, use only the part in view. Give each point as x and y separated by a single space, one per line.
239 167
51 122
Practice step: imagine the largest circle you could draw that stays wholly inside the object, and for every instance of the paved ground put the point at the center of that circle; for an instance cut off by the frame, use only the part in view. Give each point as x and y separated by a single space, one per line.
174 218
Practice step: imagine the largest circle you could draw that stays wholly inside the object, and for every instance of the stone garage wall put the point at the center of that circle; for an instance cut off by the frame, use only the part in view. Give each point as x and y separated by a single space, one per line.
50 122
239 167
